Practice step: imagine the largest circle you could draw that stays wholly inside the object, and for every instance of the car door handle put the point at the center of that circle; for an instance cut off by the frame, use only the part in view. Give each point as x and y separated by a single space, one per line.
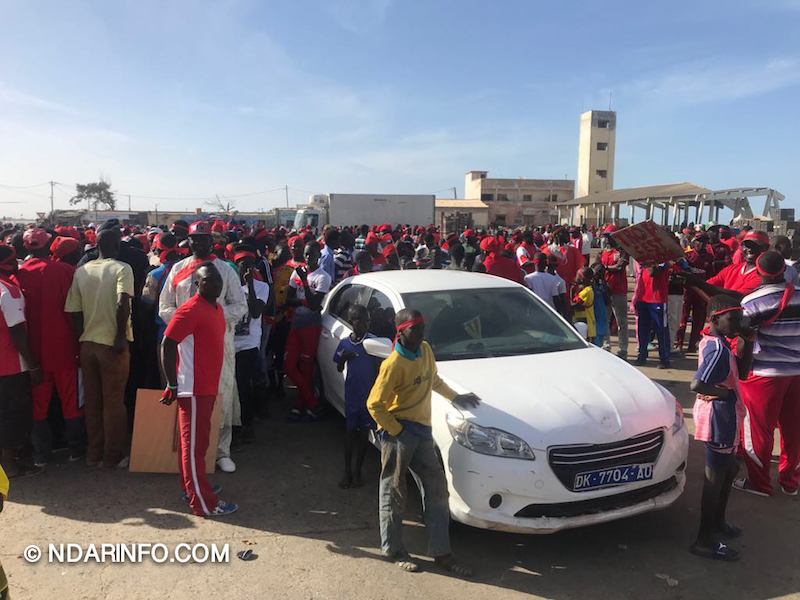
325 333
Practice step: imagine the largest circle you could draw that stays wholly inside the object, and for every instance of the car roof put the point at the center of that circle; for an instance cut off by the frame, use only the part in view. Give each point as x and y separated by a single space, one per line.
421 280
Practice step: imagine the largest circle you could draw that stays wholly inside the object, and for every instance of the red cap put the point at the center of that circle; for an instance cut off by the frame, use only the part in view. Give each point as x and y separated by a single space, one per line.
469 233
489 244
218 226
199 228
757 236
63 246
35 238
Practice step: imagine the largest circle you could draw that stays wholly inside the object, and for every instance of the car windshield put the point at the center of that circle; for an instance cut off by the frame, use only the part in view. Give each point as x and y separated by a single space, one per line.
483 323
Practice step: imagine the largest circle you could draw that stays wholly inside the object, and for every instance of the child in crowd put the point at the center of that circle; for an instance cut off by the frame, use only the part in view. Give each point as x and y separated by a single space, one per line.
718 417
582 301
602 301
361 372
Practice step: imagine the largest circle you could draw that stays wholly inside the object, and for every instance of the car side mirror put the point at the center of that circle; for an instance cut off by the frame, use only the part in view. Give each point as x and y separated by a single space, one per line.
378 347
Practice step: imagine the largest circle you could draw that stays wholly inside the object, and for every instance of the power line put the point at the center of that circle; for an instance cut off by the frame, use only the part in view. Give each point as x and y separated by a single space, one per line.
23 187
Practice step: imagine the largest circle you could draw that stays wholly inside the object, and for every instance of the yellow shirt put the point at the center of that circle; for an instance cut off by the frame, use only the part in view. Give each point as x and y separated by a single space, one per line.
95 292
403 390
585 313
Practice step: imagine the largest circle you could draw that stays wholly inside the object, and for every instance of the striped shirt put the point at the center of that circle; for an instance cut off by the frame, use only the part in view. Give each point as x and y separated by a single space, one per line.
342 262
718 421
778 350
361 243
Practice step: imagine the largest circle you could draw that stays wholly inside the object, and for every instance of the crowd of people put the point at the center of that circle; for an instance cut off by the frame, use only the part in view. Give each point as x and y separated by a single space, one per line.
216 311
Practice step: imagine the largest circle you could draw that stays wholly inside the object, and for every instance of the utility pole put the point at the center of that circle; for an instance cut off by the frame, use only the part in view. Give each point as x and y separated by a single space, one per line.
287 195
129 203
455 194
157 223
52 206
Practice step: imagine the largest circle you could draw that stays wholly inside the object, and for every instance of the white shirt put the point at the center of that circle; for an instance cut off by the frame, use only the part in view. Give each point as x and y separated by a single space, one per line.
248 330
586 246
562 285
544 285
319 281
790 274
523 255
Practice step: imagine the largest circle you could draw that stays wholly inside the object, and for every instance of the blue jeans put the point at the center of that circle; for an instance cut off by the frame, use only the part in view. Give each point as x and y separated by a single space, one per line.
653 316
398 454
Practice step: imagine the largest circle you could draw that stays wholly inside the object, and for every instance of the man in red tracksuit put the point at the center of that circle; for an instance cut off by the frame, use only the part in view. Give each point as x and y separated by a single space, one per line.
197 333
772 392
695 305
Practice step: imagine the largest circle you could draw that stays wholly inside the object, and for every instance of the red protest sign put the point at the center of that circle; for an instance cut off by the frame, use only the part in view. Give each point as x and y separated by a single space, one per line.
648 243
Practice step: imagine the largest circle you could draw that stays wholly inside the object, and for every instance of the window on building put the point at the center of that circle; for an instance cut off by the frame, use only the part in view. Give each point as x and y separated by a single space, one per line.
483 175
603 124
487 197
602 173
552 198
500 220
502 197
602 146
527 198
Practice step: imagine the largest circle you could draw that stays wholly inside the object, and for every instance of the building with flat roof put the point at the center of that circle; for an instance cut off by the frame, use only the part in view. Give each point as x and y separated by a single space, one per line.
458 215
519 202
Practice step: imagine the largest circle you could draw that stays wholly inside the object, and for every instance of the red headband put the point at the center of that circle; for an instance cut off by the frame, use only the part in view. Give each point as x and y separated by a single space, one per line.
244 254
406 325
764 273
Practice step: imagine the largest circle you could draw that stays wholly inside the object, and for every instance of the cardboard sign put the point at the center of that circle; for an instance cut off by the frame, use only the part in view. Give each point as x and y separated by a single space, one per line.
156 438
648 243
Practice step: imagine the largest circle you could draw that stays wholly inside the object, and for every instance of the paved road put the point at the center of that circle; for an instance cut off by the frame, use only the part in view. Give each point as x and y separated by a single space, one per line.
314 540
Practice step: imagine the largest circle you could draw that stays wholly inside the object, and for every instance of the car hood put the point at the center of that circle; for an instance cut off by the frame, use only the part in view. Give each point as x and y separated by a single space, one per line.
576 396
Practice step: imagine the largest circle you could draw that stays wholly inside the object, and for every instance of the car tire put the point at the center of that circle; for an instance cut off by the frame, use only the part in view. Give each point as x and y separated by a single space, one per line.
317 385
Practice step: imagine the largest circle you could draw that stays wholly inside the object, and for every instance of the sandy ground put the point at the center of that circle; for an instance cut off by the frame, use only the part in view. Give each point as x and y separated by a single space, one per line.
314 540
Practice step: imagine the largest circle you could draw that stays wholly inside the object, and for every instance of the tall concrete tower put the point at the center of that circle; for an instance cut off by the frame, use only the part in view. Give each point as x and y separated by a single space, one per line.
596 152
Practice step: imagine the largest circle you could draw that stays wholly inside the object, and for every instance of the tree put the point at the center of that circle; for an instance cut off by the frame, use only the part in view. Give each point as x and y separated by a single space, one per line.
226 207
95 193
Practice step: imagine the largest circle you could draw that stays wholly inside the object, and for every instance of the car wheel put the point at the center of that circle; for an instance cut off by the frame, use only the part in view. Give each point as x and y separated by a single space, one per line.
317 386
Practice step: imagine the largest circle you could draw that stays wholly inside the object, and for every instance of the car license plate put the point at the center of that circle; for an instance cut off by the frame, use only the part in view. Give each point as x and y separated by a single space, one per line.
612 476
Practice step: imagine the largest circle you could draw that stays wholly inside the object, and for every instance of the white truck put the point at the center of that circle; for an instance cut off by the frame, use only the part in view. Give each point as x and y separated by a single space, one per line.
342 210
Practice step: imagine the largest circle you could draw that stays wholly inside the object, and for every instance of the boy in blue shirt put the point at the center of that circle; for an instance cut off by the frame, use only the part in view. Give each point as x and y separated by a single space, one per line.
362 369
718 416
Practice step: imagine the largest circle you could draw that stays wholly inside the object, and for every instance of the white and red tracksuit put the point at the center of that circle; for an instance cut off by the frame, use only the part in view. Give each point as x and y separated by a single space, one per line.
199 328
772 392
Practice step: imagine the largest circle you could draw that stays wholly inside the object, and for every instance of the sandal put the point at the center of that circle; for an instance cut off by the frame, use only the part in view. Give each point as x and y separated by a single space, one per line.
449 564
721 552
404 562
743 485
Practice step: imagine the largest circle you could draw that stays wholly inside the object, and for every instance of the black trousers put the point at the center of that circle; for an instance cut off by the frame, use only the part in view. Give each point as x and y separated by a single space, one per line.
246 373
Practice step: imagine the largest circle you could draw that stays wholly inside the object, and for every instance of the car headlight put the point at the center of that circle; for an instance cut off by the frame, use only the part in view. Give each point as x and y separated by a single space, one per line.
487 440
679 422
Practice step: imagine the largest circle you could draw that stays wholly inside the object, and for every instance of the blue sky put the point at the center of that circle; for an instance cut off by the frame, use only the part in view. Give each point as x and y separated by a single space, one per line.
188 99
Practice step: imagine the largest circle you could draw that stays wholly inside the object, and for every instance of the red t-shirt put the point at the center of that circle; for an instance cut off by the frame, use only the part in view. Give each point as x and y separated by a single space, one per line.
199 329
617 280
655 289
46 283
504 267
737 278
568 268
12 311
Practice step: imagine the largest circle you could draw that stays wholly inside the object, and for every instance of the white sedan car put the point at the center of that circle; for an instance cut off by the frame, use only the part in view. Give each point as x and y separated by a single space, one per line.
566 435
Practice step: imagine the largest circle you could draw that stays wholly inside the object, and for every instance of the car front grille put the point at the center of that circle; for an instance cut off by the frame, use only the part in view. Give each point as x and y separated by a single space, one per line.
596 505
568 461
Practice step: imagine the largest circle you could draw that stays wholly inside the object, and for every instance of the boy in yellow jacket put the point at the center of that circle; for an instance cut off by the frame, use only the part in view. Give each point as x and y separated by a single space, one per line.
400 403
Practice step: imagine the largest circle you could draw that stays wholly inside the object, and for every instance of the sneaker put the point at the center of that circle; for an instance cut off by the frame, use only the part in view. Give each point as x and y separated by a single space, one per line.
622 355
215 489
123 464
295 416
24 471
640 362
663 366
789 492
226 465
40 463
223 508
743 485
76 455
